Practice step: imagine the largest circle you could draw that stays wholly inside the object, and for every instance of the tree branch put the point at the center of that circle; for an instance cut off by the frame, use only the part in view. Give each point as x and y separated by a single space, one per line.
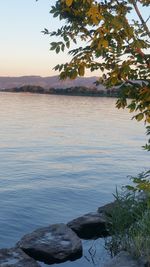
141 18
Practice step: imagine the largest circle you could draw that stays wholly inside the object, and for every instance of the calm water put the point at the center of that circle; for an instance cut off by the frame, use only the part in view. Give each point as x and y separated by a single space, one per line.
60 157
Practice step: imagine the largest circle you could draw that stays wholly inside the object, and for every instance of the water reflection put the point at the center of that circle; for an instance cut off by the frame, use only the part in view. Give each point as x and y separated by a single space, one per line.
61 157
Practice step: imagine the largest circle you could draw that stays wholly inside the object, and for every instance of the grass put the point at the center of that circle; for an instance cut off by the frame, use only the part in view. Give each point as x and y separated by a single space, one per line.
130 220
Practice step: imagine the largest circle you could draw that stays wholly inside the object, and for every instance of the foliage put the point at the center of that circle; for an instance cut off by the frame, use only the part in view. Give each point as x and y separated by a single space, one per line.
113 43
141 183
118 47
130 220
147 146
139 239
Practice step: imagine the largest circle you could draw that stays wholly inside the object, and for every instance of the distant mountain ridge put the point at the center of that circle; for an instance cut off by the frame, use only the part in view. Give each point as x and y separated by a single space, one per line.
48 82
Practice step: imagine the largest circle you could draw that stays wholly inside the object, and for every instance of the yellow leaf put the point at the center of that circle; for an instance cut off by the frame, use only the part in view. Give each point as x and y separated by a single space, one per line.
81 70
94 14
105 43
148 119
69 2
102 43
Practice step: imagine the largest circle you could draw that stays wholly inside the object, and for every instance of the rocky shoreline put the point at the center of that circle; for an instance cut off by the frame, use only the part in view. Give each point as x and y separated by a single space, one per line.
58 243
73 91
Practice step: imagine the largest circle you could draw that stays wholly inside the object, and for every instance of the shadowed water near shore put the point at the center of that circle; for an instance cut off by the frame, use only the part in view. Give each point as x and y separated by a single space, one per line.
61 157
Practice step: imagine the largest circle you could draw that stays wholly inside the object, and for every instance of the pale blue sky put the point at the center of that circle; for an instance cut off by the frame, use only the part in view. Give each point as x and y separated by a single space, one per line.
24 50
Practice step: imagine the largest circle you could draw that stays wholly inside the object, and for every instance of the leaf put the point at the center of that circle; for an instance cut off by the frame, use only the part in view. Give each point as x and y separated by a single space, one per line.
66 39
139 116
129 187
81 70
132 106
53 46
62 47
94 14
58 49
69 2
148 118
68 44
56 67
73 74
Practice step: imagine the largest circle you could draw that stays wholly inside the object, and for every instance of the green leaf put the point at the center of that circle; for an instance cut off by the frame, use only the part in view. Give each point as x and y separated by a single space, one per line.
58 49
139 116
62 47
73 74
68 44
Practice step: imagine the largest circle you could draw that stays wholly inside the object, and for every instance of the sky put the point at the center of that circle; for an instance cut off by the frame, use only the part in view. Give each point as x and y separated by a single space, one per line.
24 50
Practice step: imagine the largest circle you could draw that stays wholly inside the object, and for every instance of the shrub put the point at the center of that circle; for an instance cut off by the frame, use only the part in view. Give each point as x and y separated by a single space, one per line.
130 220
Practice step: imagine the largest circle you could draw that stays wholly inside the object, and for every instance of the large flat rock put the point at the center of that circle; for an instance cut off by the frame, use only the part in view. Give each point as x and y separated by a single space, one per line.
53 244
90 226
15 257
123 259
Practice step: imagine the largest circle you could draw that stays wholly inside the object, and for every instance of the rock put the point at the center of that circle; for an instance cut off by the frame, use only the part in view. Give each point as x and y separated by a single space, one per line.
94 224
53 244
108 208
90 226
15 257
123 259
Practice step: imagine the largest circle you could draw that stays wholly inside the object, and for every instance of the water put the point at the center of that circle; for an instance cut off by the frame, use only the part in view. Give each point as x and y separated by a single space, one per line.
61 157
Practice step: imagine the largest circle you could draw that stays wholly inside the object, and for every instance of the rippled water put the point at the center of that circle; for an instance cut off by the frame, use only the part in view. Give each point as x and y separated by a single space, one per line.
60 157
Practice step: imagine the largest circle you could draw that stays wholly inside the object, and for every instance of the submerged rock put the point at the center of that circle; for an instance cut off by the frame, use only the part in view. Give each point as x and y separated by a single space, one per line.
53 244
123 259
15 257
90 226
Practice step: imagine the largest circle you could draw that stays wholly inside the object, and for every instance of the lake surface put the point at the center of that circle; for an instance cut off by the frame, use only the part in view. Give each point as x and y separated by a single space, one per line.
61 157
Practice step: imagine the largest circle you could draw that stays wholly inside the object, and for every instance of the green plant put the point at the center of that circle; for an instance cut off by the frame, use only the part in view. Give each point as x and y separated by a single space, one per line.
147 146
139 242
141 184
107 37
130 220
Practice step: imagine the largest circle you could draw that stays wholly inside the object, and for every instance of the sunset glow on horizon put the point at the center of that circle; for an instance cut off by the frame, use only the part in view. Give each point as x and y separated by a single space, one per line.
24 49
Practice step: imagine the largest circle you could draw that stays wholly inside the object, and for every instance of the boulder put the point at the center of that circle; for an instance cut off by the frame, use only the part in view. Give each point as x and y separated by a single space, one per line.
90 226
123 259
15 257
108 208
53 244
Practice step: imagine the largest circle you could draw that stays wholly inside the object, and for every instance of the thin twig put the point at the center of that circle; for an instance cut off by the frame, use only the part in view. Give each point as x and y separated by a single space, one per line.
147 19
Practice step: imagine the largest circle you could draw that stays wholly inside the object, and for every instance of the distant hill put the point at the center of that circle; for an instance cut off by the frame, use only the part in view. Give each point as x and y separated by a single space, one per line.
47 82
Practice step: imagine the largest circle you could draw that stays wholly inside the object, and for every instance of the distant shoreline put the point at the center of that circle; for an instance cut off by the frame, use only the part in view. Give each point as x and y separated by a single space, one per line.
71 91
